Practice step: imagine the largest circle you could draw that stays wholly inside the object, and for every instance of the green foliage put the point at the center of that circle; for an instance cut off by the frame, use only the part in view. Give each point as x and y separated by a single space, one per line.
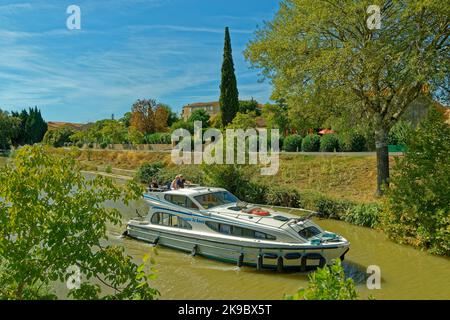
311 143
149 171
159 138
329 143
352 142
32 127
247 106
9 129
243 121
229 94
292 143
277 116
58 137
328 283
364 215
400 133
53 218
200 115
418 204
181 124
333 209
230 177
103 145
284 197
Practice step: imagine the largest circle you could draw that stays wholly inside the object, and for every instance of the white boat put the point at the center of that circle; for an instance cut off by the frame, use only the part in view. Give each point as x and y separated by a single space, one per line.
213 223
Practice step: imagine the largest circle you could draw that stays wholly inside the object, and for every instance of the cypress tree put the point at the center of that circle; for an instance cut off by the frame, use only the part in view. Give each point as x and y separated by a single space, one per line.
229 95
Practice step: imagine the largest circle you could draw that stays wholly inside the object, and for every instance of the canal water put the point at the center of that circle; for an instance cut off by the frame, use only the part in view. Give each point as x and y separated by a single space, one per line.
406 273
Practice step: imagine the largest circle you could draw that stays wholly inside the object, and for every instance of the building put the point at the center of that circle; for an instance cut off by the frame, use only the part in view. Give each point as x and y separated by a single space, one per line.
211 108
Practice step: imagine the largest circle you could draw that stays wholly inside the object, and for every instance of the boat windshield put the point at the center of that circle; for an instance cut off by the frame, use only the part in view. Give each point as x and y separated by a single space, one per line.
215 199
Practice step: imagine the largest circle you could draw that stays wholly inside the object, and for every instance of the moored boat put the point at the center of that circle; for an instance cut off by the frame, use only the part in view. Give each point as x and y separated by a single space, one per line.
213 223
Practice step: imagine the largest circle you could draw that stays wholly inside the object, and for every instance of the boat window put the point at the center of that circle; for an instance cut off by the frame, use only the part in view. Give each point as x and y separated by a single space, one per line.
309 232
170 220
182 201
214 199
238 231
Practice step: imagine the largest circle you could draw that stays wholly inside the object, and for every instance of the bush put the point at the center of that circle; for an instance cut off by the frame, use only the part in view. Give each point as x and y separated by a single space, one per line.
80 144
400 132
364 215
90 145
159 138
353 142
149 171
328 283
252 192
333 209
283 197
103 145
58 137
311 143
417 209
292 143
329 143
108 169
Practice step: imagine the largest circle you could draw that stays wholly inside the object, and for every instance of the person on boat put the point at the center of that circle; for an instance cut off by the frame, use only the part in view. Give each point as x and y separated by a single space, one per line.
175 185
153 184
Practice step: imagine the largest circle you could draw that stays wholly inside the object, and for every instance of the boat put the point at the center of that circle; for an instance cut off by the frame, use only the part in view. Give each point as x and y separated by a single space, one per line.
213 223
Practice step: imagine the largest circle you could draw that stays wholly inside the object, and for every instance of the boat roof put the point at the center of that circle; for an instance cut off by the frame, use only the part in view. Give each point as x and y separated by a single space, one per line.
195 191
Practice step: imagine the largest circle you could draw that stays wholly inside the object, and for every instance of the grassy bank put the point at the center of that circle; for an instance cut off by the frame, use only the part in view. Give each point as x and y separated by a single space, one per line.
350 178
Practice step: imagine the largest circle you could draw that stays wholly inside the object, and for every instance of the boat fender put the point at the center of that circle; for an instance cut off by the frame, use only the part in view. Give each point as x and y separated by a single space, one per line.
240 260
259 264
270 256
292 256
155 243
125 233
280 266
194 251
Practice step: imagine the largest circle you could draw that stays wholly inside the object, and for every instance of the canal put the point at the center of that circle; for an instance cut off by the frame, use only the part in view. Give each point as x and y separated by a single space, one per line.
407 273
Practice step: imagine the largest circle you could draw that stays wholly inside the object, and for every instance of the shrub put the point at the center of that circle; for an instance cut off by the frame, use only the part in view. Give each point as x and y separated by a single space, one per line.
90 145
252 192
365 215
284 197
333 209
103 145
159 138
58 137
292 143
352 142
108 169
230 177
400 132
149 171
329 143
311 143
417 209
80 144
328 283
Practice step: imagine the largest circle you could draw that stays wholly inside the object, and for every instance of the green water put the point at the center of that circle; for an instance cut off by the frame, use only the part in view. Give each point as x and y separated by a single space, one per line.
407 273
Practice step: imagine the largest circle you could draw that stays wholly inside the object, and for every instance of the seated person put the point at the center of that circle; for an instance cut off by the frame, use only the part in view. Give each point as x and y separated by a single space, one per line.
153 184
175 185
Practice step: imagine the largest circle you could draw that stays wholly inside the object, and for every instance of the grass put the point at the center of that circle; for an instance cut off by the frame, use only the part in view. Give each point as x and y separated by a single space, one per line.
351 178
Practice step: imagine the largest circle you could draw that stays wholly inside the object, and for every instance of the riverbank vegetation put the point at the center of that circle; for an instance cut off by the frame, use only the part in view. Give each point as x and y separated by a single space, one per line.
328 283
54 229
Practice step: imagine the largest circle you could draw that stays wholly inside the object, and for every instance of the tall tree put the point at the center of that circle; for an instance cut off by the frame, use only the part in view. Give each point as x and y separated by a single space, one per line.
142 116
331 52
229 94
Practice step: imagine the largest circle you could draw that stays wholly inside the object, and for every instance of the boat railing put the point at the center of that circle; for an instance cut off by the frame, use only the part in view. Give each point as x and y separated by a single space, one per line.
289 210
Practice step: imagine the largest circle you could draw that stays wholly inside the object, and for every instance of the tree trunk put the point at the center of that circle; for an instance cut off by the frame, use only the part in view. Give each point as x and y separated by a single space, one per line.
381 142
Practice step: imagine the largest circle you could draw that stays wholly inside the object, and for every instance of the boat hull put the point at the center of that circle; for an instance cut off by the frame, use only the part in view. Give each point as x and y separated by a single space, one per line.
262 256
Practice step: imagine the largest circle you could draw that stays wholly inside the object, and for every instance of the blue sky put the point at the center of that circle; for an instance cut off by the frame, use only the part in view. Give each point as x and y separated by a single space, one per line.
169 50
